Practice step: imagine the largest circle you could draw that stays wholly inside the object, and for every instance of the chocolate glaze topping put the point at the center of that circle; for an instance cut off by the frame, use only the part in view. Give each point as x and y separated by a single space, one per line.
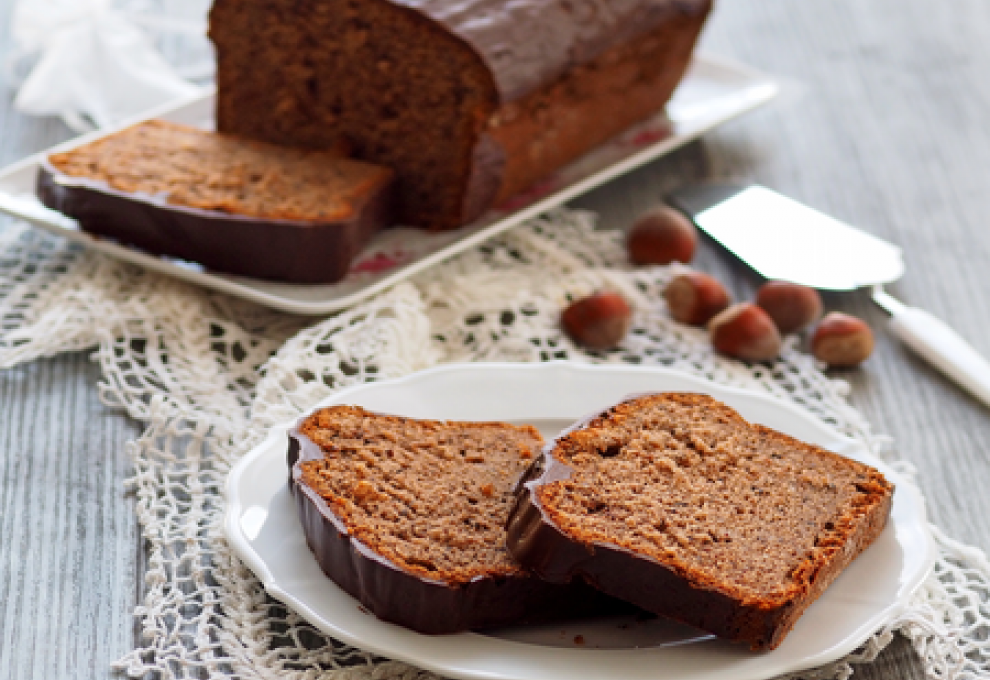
529 43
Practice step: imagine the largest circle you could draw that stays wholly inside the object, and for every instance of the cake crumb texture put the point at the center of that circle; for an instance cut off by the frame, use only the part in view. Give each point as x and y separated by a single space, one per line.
407 94
195 168
684 480
432 497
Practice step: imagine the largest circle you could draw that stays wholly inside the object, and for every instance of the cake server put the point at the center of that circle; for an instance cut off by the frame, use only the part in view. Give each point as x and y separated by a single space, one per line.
784 240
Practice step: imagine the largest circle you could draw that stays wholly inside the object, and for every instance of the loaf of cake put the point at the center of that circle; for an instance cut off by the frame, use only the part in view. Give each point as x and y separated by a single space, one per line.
408 516
470 101
677 504
233 205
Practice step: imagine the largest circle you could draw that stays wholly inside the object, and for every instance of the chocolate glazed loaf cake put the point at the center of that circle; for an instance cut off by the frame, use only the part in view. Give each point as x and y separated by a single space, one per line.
408 516
230 204
677 504
470 101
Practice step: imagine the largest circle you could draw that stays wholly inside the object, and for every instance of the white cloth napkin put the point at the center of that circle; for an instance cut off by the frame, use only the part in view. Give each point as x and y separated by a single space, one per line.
94 62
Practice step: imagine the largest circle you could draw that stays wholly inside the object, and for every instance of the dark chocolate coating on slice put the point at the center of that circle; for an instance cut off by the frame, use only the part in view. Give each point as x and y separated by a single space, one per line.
529 43
277 250
536 541
424 605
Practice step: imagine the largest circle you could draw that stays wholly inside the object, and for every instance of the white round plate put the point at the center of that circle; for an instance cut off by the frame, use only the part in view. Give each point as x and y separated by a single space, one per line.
263 529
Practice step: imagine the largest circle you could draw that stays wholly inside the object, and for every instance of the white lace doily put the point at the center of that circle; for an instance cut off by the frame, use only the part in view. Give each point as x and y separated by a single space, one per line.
208 374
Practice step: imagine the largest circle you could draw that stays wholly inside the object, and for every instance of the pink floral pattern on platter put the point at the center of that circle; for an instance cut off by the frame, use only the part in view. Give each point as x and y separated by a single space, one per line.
650 137
652 133
531 195
379 262
400 247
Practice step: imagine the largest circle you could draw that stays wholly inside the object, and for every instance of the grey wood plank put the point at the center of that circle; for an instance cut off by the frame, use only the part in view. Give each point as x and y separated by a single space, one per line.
69 541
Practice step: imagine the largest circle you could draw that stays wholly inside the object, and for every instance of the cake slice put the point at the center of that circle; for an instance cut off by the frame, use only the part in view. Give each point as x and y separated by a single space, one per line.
408 516
677 504
230 204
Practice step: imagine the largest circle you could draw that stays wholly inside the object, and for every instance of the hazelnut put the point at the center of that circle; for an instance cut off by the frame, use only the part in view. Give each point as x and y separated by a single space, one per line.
791 306
661 236
842 340
694 298
745 331
599 321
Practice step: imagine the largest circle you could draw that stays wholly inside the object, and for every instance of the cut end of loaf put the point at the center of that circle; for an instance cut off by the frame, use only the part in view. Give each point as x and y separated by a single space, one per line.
403 91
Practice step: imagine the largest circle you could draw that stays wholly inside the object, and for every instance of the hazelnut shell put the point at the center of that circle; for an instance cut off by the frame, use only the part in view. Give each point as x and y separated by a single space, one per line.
694 298
842 340
661 236
599 321
745 331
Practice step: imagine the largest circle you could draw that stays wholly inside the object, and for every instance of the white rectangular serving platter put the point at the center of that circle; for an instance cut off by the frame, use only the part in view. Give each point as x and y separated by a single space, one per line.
713 92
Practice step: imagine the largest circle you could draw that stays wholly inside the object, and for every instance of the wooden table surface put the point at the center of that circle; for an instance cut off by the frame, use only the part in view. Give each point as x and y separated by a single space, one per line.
883 122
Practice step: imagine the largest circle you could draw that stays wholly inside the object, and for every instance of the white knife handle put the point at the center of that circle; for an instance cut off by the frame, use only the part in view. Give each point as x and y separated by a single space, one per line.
945 349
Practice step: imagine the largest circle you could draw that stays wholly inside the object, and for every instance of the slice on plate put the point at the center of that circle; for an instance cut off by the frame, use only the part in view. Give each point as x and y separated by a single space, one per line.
229 204
677 504
408 516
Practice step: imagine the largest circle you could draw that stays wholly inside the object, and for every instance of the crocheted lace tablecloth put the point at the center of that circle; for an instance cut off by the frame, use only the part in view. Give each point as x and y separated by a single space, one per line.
208 375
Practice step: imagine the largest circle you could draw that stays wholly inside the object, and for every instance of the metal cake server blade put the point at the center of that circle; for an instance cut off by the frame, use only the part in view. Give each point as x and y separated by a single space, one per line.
782 239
